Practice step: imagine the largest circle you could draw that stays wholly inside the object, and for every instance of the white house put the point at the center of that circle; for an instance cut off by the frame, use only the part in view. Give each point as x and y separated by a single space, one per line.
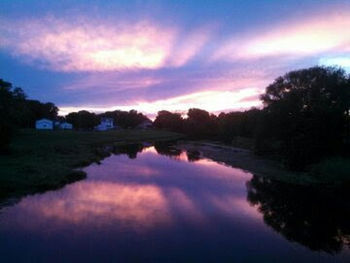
44 124
105 124
65 126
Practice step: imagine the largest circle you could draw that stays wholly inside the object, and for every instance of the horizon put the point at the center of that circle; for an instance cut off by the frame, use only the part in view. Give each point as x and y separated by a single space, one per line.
151 56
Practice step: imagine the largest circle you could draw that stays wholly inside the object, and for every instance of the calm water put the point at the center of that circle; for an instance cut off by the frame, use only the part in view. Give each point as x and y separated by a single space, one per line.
156 205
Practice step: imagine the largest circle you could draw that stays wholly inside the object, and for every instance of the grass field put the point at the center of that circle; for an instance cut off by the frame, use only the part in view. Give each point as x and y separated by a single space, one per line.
43 160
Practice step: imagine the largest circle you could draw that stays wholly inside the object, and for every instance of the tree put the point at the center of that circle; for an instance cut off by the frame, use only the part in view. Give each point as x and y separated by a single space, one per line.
83 119
16 111
169 121
200 124
243 124
126 119
306 111
6 129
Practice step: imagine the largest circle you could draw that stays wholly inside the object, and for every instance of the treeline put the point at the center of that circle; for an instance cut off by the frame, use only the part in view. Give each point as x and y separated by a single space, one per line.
84 120
200 124
16 111
305 118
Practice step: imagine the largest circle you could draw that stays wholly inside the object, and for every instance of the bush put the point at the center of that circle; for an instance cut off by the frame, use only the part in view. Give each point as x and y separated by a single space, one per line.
334 169
6 132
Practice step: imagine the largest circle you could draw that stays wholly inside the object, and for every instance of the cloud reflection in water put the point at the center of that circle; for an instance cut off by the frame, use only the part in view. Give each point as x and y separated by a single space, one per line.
151 191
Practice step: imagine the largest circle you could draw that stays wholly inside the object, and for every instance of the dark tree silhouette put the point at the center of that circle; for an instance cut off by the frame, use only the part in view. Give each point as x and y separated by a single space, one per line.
6 104
83 120
306 111
16 111
126 119
243 124
167 149
200 124
169 121
131 150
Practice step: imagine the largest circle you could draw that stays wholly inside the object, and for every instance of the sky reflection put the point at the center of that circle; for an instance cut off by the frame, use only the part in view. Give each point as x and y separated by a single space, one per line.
151 191
162 204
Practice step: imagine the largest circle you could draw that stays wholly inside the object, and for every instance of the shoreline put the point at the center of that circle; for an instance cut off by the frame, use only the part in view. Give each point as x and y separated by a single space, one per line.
48 160
245 159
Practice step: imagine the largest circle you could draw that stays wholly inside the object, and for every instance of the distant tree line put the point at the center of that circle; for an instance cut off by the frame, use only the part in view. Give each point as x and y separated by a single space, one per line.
305 118
84 120
200 124
16 111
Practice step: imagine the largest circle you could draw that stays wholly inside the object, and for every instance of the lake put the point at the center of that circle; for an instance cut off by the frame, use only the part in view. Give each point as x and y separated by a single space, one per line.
163 204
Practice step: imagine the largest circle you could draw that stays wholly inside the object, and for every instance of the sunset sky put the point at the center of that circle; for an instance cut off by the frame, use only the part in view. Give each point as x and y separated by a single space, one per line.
172 55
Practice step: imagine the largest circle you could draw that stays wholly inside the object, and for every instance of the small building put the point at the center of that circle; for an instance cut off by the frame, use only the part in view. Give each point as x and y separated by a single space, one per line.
44 124
65 126
105 124
146 124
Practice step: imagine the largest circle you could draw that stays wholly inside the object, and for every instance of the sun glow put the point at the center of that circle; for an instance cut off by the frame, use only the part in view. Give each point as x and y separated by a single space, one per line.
213 101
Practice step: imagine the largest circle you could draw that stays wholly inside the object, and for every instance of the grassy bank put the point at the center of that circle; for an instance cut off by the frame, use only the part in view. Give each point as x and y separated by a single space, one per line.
330 171
334 172
43 160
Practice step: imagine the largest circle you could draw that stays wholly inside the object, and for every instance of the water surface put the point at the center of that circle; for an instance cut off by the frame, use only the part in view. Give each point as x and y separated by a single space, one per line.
159 204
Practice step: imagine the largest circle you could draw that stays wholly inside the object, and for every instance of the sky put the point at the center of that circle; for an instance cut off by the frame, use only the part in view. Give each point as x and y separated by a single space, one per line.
165 55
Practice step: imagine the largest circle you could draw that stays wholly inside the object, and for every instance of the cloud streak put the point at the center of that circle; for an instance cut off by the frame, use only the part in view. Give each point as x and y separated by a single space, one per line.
89 45
86 45
189 47
312 36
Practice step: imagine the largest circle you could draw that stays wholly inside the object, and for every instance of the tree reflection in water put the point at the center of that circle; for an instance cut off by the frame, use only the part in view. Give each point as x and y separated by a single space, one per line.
131 150
318 220
169 149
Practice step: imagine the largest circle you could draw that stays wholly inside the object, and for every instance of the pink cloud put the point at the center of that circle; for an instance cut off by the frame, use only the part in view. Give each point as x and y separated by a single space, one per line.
114 81
88 45
99 45
189 47
138 207
312 36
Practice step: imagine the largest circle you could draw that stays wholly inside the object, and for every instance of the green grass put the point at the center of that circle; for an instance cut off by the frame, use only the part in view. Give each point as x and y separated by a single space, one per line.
330 173
333 171
336 170
43 160
243 142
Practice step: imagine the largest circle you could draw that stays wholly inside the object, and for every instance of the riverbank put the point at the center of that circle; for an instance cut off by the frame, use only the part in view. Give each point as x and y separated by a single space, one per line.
329 173
45 160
